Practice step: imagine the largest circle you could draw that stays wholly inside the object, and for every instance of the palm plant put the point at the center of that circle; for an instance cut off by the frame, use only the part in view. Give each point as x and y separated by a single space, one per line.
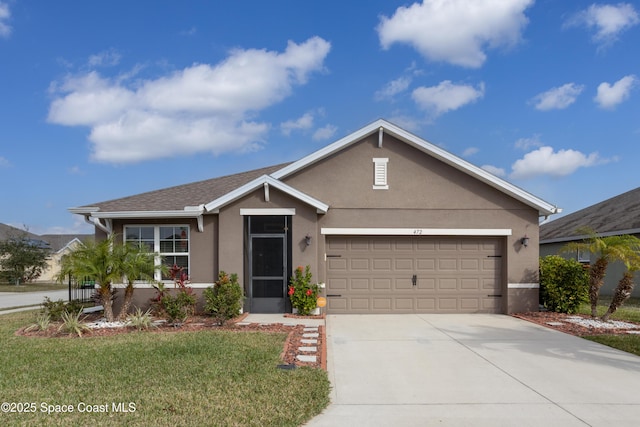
608 248
135 262
97 261
625 285
106 263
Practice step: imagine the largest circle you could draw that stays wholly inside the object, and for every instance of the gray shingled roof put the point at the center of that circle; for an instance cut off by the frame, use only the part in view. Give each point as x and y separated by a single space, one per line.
59 241
617 214
55 241
7 231
193 194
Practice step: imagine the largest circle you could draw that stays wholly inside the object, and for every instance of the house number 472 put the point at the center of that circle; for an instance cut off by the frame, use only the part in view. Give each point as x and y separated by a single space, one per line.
417 231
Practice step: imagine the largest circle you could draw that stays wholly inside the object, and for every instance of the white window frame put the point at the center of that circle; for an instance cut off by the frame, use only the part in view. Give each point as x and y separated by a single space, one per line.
156 245
583 256
380 181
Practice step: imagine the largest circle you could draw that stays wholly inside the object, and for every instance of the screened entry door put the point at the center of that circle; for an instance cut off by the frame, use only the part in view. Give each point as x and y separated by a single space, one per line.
268 273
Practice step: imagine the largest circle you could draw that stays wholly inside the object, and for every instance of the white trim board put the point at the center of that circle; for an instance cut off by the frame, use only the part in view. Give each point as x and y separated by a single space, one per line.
417 231
267 211
523 285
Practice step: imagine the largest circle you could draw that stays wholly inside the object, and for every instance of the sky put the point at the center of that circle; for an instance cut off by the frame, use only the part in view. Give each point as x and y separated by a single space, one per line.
101 100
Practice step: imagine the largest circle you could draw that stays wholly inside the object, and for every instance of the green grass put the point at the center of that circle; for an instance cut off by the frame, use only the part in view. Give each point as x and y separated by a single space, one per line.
217 378
630 311
628 343
33 287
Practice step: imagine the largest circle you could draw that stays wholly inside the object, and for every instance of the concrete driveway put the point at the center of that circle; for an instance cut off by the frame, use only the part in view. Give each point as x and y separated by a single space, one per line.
478 370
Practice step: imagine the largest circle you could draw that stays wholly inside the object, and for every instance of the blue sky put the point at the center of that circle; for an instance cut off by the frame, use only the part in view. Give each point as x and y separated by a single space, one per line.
100 100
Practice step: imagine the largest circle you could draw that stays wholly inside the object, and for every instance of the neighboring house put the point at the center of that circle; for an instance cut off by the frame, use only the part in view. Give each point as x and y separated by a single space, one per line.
615 216
59 244
390 222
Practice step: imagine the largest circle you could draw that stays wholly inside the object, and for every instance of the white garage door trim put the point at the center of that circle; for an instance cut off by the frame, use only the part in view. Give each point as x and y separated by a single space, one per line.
417 231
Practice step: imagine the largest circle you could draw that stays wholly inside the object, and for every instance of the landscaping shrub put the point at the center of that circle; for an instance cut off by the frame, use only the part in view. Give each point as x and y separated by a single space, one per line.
55 309
302 293
178 307
564 284
224 300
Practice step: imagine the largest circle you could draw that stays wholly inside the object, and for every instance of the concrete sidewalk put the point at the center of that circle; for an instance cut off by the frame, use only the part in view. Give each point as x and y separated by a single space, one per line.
480 370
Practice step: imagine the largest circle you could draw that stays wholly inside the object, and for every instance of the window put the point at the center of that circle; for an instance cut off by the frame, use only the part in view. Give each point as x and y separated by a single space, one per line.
170 241
584 256
380 174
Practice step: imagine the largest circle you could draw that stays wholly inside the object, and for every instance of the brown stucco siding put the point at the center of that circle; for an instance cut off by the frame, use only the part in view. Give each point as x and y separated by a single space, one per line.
232 256
423 193
416 180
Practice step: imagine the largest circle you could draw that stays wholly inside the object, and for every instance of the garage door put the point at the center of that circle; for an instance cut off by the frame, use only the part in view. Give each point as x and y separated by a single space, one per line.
406 274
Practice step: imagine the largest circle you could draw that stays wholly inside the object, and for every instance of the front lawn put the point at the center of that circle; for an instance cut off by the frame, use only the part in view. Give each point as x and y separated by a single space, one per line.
32 287
221 378
630 312
628 343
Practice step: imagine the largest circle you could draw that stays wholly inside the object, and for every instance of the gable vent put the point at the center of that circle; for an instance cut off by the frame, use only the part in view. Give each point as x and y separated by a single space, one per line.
380 174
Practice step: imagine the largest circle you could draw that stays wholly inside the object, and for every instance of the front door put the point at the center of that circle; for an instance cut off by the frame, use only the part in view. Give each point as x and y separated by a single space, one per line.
268 272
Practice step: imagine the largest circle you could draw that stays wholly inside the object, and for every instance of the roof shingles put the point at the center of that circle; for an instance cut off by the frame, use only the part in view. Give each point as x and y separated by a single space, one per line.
617 214
192 194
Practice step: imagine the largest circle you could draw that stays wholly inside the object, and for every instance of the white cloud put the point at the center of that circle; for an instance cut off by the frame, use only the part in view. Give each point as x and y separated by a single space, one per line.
393 88
75 170
607 20
446 96
611 95
80 226
494 170
470 151
546 161
456 31
324 133
202 108
190 32
5 14
557 98
4 163
528 143
104 59
302 123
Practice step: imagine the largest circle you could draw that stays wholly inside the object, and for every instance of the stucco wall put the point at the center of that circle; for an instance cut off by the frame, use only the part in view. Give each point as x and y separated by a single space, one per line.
423 193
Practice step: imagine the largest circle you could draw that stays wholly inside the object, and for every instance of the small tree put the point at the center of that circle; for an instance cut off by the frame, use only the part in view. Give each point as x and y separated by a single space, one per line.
224 300
625 285
97 261
135 263
607 249
23 259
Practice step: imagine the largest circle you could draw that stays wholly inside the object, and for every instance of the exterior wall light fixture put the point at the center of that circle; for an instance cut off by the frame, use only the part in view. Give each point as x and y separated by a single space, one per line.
525 241
307 239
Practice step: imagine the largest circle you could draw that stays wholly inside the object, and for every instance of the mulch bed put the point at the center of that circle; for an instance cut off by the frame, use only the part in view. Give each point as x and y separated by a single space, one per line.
202 323
560 323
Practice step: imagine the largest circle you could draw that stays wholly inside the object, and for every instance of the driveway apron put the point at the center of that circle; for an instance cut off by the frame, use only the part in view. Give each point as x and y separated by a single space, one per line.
479 370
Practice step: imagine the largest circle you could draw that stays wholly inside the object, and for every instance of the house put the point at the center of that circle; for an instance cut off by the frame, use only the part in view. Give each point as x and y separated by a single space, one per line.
387 221
58 244
615 216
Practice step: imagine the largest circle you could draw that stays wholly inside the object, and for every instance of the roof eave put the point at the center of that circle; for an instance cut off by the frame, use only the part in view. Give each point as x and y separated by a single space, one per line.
544 208
215 205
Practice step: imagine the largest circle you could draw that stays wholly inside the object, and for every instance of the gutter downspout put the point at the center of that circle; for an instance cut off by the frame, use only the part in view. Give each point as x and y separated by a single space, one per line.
107 227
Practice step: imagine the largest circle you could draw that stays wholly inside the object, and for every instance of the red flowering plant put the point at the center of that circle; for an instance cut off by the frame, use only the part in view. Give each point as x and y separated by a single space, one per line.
302 292
176 308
